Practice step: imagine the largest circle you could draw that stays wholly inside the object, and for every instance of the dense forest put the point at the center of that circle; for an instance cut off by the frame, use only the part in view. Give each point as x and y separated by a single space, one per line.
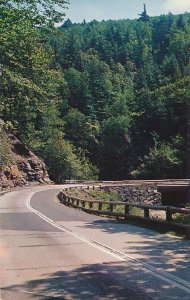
107 99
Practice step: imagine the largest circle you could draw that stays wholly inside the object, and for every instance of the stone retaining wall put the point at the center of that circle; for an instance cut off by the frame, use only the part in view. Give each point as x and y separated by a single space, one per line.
141 193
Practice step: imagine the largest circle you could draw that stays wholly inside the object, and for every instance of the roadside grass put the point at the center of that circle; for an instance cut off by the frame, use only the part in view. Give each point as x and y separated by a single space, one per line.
111 195
183 219
108 196
100 195
135 211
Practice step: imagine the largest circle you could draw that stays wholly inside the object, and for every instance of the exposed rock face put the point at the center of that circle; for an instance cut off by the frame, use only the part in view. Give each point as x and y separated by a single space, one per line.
139 194
25 166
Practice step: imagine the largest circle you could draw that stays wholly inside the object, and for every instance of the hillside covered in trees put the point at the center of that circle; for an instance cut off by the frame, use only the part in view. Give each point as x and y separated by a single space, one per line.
106 99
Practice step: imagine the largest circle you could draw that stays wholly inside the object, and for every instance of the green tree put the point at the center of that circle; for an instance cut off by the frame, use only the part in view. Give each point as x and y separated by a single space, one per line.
63 163
28 83
115 148
75 91
80 131
99 81
163 161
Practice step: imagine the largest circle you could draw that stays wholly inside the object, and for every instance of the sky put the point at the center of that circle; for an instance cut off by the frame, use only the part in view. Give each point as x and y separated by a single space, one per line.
78 10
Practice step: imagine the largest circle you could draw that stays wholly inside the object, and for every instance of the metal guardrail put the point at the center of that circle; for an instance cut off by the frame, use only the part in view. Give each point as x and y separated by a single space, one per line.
110 208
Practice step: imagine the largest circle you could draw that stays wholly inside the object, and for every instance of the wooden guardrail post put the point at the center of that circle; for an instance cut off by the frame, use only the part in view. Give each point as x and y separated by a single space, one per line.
127 212
99 206
168 214
146 212
91 205
127 209
111 207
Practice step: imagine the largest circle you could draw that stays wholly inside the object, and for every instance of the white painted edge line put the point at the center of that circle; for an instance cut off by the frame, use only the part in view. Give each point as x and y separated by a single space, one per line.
164 276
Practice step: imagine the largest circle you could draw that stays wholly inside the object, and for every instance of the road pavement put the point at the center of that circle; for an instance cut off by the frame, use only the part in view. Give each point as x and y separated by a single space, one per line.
49 251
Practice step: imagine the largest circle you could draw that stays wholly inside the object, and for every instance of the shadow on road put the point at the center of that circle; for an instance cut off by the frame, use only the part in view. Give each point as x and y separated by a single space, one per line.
159 250
119 281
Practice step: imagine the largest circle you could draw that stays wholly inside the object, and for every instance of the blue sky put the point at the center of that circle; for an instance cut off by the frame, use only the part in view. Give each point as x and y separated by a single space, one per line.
79 10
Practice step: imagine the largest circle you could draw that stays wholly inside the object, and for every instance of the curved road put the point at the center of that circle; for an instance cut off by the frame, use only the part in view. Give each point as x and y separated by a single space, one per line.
48 251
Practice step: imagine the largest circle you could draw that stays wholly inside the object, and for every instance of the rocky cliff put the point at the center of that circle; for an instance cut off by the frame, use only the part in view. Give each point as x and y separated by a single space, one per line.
19 165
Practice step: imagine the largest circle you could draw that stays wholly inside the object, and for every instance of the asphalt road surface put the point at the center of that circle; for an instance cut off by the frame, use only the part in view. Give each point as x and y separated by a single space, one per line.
48 250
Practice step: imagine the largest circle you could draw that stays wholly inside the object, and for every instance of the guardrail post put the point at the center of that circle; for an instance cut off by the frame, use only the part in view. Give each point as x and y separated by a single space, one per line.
83 204
77 202
127 212
99 206
146 212
168 214
111 206
90 205
127 209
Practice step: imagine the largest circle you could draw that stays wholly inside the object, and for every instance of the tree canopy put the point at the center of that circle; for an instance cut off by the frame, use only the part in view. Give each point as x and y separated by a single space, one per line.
110 94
